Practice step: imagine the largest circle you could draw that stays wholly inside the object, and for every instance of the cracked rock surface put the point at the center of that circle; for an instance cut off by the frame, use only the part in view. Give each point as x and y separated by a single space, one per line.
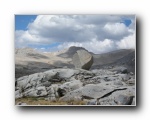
96 87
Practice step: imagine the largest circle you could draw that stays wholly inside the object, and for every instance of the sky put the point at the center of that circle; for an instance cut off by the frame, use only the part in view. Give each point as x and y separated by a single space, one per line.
96 33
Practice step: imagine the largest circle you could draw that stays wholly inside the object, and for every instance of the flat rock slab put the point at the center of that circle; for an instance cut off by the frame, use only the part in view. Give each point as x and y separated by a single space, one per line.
114 99
90 91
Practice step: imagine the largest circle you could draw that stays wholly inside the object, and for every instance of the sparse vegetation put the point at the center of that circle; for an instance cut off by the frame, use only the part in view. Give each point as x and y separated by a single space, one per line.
42 101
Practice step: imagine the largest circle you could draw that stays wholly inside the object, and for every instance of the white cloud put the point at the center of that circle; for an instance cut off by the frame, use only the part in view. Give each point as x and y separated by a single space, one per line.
127 42
97 33
94 46
116 28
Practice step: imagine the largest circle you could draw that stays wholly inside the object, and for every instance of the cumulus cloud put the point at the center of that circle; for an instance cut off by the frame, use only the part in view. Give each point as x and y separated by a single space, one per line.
97 33
116 29
94 46
127 42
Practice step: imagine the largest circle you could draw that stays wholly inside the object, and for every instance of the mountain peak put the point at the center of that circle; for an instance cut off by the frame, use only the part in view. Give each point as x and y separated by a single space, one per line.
75 48
71 51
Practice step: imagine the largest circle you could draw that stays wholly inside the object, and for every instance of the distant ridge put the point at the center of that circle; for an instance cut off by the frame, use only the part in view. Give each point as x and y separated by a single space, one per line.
111 57
29 60
29 52
71 51
125 57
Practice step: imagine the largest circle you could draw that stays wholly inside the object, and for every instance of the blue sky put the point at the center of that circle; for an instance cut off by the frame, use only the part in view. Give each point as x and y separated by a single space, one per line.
127 22
22 21
97 33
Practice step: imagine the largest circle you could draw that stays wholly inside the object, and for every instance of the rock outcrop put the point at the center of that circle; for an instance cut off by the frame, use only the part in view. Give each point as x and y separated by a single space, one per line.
96 87
82 59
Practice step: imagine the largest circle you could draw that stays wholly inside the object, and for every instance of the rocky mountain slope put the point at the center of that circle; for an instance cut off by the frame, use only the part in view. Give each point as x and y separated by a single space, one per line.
70 52
125 57
51 79
29 61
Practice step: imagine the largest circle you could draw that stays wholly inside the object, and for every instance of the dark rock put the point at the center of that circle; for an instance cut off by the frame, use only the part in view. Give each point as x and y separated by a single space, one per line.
124 100
124 70
21 103
61 92
130 82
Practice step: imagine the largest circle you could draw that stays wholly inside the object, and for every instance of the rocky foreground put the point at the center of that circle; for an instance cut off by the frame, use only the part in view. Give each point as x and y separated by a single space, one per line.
114 86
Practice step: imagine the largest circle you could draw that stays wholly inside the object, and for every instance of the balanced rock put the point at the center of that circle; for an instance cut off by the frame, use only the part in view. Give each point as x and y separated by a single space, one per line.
82 59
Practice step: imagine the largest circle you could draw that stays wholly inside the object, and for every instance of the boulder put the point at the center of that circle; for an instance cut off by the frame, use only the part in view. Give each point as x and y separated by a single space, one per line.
70 86
18 94
41 91
52 91
50 76
21 103
118 83
124 100
130 82
124 70
123 77
61 73
82 59
92 102
120 69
